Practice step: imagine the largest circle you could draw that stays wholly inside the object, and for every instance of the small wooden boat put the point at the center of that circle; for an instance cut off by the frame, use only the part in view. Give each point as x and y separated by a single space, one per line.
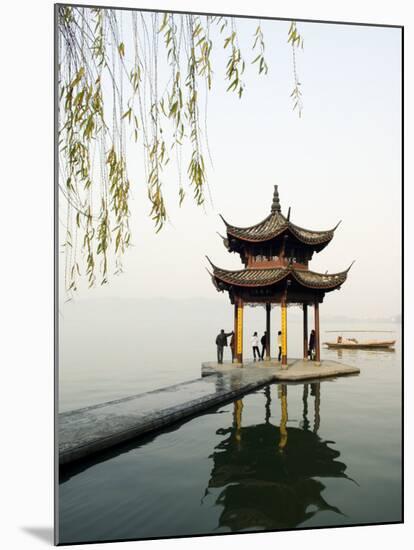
352 343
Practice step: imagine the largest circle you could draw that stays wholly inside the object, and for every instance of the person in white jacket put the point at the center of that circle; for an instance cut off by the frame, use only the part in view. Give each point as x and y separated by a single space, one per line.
255 346
279 344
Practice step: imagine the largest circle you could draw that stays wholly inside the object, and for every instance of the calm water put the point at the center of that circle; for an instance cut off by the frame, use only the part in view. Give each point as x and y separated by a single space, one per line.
113 348
285 456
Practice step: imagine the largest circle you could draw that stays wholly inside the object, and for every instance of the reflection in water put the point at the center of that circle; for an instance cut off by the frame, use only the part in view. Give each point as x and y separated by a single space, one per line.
284 417
268 403
267 473
305 422
346 353
237 416
255 477
316 392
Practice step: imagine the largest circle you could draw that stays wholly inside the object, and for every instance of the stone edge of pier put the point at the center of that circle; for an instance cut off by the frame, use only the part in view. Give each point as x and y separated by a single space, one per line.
297 370
166 417
268 372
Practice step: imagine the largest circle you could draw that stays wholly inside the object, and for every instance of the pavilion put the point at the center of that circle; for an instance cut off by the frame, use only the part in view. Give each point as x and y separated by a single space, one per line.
276 255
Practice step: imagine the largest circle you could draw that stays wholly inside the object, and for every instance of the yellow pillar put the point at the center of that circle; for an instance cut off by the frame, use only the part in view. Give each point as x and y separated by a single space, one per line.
239 333
284 333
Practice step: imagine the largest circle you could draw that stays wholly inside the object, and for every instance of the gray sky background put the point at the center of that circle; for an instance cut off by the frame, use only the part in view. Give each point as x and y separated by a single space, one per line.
341 160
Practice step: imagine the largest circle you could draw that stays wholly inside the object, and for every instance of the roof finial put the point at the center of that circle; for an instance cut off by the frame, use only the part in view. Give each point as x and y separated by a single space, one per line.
276 203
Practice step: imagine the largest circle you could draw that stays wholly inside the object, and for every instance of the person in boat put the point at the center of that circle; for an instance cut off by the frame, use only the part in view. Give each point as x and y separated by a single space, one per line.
312 345
279 344
221 343
255 346
263 341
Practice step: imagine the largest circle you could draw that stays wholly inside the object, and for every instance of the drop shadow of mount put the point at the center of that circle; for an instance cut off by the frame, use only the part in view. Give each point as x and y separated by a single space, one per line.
44 534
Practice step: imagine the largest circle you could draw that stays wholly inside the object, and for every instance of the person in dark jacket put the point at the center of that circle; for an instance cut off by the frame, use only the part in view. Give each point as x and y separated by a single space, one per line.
312 345
233 346
221 342
263 341
279 344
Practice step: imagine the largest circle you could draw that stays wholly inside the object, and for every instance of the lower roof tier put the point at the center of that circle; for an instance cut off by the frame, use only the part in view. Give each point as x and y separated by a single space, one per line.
257 278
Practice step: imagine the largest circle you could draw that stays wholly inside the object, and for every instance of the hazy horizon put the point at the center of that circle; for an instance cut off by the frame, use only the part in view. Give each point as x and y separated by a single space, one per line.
163 301
113 347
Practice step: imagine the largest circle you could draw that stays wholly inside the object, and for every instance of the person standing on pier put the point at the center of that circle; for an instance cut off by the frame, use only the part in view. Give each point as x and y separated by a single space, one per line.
221 342
263 341
312 345
255 346
279 344
233 347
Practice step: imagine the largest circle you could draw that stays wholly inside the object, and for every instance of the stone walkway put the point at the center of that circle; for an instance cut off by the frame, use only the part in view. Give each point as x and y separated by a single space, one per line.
92 429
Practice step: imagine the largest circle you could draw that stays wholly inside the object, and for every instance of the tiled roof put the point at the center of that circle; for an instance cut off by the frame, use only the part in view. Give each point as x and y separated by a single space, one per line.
311 279
266 277
275 224
250 277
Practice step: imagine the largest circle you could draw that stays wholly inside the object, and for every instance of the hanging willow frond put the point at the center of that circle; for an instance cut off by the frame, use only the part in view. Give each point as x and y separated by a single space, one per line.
110 88
296 41
259 45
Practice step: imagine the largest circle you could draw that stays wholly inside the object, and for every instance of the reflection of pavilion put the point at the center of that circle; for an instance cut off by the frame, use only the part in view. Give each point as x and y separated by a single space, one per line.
267 473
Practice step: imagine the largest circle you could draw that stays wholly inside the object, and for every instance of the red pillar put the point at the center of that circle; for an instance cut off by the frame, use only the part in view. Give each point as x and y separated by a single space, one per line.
305 331
317 336
268 309
234 350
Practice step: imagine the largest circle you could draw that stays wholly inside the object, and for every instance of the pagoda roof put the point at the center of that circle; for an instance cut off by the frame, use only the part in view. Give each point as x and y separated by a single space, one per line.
259 277
276 224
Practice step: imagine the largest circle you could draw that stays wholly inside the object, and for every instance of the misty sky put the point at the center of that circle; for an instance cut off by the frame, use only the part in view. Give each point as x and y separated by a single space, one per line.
340 161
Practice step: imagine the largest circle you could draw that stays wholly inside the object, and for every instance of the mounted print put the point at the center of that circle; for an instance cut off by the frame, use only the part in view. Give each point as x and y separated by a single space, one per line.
228 274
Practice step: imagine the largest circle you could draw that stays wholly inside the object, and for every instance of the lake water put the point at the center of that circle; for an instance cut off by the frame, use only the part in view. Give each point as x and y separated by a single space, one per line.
283 457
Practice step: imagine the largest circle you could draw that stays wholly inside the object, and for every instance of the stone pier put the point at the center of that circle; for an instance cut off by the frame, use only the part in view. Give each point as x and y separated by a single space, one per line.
93 429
